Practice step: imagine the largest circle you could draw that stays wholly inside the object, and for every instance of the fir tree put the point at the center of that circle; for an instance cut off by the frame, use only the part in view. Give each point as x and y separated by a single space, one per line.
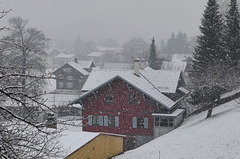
232 34
153 55
209 50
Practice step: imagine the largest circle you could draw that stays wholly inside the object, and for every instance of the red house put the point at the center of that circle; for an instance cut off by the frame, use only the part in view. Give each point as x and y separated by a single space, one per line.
144 104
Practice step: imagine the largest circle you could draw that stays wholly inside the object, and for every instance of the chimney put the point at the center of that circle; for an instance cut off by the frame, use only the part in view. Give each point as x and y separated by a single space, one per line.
136 66
76 60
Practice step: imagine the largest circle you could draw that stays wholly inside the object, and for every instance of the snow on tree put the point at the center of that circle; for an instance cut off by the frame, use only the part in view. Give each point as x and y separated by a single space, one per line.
232 34
135 48
22 136
209 68
209 48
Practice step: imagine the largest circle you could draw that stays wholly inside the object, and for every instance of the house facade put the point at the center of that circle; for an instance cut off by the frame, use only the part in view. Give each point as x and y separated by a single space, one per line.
131 103
70 76
102 146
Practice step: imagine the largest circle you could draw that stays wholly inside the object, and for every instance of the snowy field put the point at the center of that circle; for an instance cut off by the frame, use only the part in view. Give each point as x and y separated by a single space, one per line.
198 138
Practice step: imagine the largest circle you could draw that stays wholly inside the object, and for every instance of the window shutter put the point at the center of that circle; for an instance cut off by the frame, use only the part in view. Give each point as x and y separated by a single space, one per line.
100 120
105 120
90 120
134 122
146 123
116 121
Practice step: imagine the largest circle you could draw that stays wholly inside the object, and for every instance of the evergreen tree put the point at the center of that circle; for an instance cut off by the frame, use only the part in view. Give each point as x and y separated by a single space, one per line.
209 50
153 55
232 34
178 44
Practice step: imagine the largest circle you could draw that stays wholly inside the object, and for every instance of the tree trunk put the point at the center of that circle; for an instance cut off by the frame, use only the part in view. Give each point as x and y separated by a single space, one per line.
210 110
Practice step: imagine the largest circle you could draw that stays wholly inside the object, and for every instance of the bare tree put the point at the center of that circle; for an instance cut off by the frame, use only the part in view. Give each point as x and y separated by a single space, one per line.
136 47
22 134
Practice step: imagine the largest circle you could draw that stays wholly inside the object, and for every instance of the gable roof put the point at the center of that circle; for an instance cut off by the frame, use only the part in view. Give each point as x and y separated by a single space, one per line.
106 65
65 55
85 64
76 66
117 65
165 80
96 54
149 83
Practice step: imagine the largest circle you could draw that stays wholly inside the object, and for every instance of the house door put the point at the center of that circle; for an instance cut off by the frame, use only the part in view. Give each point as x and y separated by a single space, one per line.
156 129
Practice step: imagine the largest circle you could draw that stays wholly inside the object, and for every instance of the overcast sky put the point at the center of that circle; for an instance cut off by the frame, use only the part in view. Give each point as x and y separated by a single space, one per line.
119 19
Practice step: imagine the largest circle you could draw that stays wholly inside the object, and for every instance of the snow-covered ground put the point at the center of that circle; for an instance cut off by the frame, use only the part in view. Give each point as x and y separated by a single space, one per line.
217 137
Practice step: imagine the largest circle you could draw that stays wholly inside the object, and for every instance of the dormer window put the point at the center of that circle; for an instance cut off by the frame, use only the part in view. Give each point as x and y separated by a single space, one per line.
108 98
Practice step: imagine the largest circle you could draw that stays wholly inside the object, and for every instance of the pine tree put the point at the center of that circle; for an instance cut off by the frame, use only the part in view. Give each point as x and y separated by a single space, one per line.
232 34
209 50
153 55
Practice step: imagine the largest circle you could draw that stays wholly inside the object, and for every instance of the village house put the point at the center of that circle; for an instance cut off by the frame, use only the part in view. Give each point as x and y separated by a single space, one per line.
83 145
70 77
140 103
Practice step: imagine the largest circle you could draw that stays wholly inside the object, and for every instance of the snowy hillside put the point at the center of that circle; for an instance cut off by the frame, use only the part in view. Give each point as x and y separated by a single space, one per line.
198 138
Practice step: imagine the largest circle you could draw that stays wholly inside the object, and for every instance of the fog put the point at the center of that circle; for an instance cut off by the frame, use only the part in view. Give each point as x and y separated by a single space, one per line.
99 19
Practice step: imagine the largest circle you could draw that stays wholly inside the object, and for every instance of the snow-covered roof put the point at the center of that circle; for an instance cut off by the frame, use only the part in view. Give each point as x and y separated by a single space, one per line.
173 114
165 80
65 55
180 57
96 54
169 65
55 51
85 64
143 65
103 49
151 82
73 140
118 66
78 67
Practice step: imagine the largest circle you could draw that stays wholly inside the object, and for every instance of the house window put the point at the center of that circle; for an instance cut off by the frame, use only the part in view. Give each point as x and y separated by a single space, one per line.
95 120
109 98
157 121
112 121
133 98
60 85
140 122
69 78
69 85
167 122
